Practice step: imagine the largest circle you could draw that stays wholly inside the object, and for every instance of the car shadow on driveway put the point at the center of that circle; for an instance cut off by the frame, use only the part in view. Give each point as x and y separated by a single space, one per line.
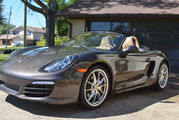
119 104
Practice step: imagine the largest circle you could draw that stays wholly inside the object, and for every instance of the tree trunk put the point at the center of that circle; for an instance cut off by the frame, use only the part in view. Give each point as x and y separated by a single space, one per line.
50 30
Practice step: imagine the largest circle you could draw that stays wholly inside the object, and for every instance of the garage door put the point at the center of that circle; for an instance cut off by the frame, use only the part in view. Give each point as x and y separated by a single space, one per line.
160 35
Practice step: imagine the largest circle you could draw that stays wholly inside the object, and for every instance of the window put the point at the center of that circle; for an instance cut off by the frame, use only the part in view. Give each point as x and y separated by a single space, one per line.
124 27
28 33
100 26
15 32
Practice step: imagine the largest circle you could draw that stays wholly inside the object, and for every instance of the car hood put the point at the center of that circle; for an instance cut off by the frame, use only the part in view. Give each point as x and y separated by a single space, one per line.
30 60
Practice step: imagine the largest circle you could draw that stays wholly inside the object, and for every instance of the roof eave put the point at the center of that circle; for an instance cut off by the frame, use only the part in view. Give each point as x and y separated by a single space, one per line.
118 15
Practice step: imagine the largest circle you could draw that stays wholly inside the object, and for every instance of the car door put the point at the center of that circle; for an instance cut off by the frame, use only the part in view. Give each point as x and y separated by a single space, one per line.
131 70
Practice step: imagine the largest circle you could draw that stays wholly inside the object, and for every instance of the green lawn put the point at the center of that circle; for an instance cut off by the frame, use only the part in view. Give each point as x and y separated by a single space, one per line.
2 49
10 48
3 57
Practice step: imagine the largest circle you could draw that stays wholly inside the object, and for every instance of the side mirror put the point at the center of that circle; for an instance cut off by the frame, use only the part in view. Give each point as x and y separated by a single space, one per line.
123 54
132 49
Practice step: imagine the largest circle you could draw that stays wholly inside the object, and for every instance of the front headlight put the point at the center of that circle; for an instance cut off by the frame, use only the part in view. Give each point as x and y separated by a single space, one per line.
60 64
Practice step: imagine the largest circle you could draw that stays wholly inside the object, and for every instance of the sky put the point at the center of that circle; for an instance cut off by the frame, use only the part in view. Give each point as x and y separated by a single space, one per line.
33 18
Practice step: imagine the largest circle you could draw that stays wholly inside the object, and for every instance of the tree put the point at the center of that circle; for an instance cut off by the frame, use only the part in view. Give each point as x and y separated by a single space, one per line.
48 8
4 28
61 28
61 25
1 17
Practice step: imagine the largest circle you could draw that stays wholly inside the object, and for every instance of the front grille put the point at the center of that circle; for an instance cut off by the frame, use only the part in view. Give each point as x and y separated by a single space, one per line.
35 90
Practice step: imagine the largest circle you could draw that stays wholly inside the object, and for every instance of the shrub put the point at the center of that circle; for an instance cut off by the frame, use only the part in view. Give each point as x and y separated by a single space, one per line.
58 41
41 42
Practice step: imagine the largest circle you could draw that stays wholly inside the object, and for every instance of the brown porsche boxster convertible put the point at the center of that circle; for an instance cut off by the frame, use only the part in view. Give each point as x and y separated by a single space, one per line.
86 69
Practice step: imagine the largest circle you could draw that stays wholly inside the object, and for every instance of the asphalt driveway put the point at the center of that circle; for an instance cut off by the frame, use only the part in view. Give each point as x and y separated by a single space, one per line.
141 104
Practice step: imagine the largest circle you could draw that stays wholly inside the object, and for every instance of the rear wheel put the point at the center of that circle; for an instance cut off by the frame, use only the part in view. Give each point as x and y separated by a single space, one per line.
163 74
94 87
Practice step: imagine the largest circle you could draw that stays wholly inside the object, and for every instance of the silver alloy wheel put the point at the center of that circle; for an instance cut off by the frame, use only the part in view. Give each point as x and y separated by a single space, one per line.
96 87
163 76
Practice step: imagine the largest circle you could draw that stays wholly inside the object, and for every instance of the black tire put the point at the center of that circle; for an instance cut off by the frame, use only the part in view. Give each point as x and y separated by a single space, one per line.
158 84
83 95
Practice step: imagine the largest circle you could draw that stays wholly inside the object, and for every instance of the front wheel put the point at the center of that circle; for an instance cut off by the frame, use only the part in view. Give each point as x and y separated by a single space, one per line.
163 74
94 87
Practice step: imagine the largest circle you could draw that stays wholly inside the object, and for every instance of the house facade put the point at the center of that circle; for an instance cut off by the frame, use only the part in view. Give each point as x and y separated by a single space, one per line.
16 35
154 22
3 39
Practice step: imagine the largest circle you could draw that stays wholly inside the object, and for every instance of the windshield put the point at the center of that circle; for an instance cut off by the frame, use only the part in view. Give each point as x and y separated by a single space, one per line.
98 40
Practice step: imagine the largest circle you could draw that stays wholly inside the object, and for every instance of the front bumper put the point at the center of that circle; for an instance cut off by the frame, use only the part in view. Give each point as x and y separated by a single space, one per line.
65 90
40 99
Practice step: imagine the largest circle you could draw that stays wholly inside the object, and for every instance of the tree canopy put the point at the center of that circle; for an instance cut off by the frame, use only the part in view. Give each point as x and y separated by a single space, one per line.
4 28
48 8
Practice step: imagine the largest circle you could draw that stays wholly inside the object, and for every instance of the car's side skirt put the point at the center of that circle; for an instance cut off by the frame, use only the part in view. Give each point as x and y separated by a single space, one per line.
149 82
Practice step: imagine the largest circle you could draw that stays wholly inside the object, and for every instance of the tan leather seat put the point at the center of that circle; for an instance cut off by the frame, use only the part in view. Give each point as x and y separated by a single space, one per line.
107 43
130 41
